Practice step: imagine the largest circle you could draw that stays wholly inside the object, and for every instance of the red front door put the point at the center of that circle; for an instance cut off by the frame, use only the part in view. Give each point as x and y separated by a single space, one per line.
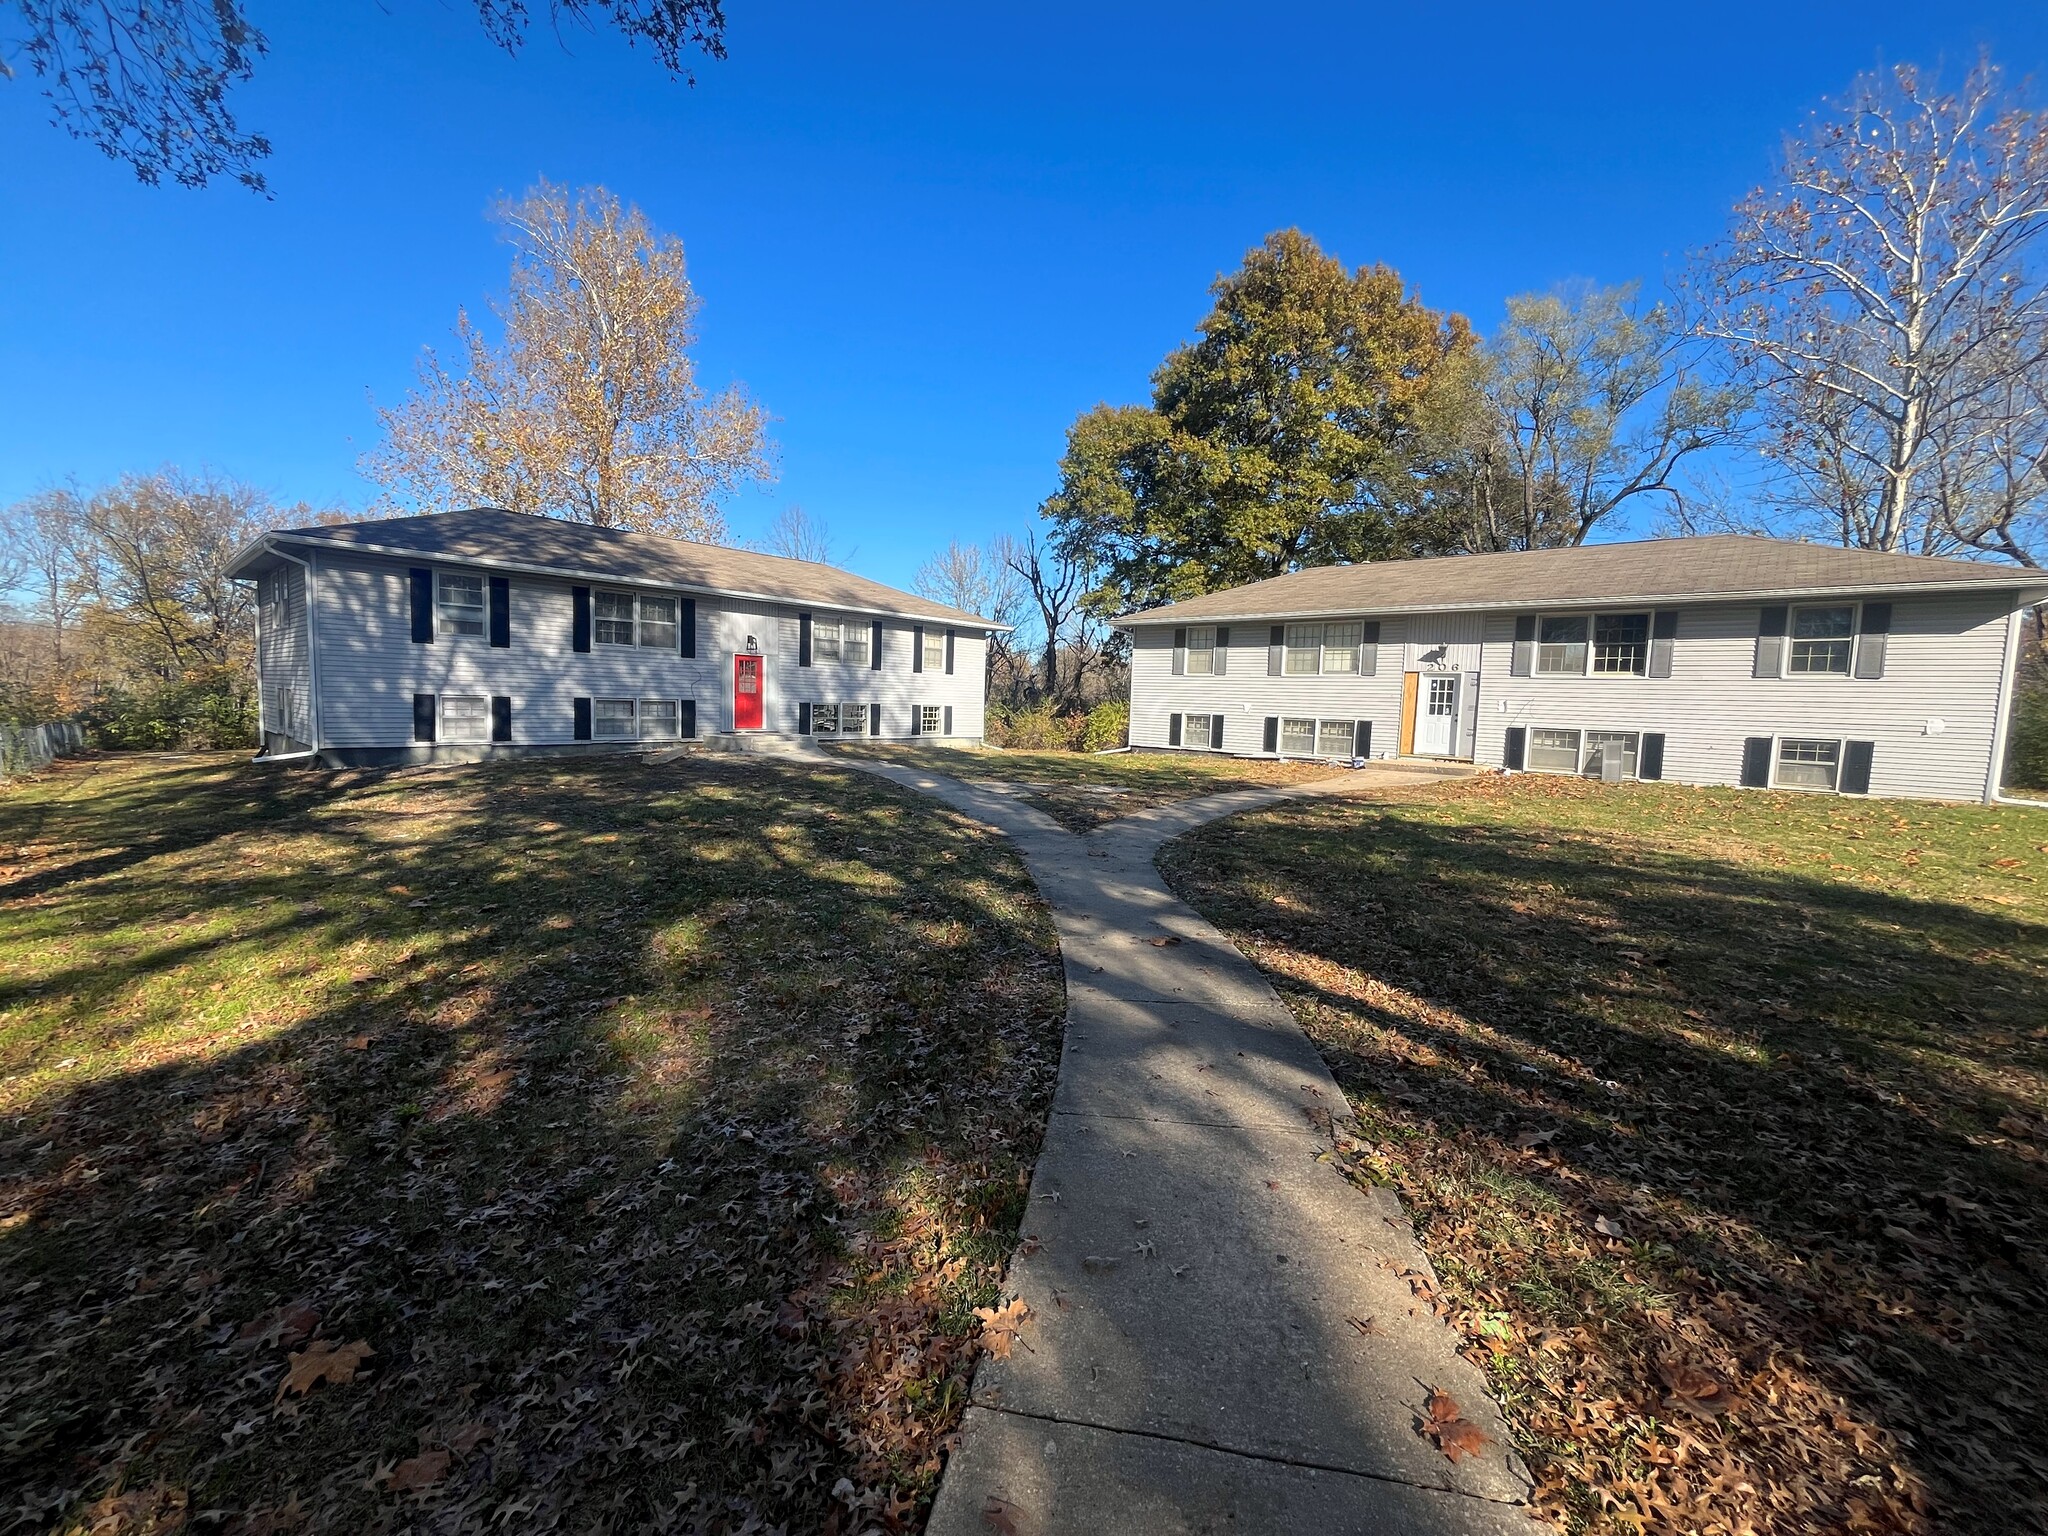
746 693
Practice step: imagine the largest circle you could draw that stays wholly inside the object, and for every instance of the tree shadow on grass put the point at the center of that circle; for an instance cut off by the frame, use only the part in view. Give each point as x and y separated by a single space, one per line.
657 1131
1809 1113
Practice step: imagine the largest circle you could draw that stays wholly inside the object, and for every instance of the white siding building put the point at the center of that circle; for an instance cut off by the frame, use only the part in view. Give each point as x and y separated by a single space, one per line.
468 634
1707 661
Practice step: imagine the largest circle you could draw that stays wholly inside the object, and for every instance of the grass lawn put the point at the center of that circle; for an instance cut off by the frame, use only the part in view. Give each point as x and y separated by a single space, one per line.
589 1146
1082 790
1724 1116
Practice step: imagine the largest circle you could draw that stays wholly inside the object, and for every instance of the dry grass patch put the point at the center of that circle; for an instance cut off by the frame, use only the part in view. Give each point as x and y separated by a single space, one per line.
1723 1115
574 1146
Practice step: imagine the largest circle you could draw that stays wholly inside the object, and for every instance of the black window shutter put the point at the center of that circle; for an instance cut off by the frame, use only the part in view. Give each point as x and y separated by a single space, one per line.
583 717
875 652
803 642
1361 739
1276 653
1272 733
803 717
916 721
1856 757
1515 750
917 648
1216 732
689 720
1173 730
1871 637
1522 660
501 717
1770 644
946 729
1368 656
423 717
1180 652
1663 637
579 623
1650 758
501 612
687 630
422 581
875 715
1756 760
1223 650
949 665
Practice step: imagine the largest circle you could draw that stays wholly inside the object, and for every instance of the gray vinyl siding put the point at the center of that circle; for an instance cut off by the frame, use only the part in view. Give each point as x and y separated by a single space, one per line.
370 668
1944 662
284 658
1245 695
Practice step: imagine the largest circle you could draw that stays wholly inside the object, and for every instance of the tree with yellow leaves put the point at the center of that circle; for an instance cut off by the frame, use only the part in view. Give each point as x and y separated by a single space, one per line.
589 407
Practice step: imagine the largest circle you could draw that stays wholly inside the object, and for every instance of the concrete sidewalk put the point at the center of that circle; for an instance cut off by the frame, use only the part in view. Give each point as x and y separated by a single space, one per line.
1220 1337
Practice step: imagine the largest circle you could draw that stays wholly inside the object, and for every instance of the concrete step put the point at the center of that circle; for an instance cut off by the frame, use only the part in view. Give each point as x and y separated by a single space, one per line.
743 743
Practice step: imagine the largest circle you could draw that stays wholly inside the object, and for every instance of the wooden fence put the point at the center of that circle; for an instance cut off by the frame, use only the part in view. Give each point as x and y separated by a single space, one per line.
25 748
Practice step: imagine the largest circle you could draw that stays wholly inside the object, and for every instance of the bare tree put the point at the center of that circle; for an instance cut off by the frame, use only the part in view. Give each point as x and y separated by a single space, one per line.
41 539
1589 402
1878 294
800 536
981 581
1056 579
590 408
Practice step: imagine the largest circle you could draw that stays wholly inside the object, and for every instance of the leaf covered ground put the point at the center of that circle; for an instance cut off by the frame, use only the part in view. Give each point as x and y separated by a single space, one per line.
1724 1116
581 1146
1083 790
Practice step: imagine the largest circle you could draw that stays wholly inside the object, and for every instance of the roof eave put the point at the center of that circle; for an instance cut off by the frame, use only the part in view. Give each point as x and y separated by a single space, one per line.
529 568
2029 592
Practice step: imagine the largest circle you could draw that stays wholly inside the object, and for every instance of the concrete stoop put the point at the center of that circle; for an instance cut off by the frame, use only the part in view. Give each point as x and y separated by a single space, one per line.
739 743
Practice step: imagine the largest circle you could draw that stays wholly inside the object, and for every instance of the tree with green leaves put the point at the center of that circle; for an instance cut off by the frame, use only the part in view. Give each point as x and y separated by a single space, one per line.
1299 428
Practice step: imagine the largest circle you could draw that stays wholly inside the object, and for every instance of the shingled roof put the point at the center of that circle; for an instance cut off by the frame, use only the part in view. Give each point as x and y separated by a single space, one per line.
490 536
1728 567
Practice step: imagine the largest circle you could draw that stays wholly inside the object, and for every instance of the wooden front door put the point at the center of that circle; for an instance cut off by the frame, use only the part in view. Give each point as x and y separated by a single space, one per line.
746 693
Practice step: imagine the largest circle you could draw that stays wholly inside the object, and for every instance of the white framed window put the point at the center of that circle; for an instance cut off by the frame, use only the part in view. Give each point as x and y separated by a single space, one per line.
1808 763
1197 730
853 645
1821 639
1201 651
657 622
465 717
1621 644
1336 738
824 641
614 614
1304 650
1298 738
934 650
853 719
1604 749
613 720
824 719
1561 644
459 603
1340 647
661 720
930 721
1553 751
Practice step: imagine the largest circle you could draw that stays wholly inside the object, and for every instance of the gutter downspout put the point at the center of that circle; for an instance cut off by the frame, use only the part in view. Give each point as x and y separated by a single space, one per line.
2001 720
312 657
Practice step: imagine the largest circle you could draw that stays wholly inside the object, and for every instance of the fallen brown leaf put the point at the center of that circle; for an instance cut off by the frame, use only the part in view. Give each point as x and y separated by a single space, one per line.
1454 1435
321 1361
999 1326
423 1471
1698 1392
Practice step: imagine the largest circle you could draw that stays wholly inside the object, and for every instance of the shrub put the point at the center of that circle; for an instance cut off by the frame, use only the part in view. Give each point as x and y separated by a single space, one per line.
1109 725
198 714
1036 729
2026 757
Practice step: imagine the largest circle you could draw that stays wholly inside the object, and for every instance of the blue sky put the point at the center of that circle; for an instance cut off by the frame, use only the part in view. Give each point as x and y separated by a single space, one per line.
925 236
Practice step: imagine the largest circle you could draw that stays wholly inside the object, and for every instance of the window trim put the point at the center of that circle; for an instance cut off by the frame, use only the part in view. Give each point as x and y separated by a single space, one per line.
851 634
935 714
1529 750
1208 731
634 597
1834 787
933 654
597 719
444 623
442 720
1591 618
640 719
826 632
1792 642
1206 652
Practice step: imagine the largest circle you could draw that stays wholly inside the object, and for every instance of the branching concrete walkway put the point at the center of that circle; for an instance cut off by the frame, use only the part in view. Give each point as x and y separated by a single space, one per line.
1220 1337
